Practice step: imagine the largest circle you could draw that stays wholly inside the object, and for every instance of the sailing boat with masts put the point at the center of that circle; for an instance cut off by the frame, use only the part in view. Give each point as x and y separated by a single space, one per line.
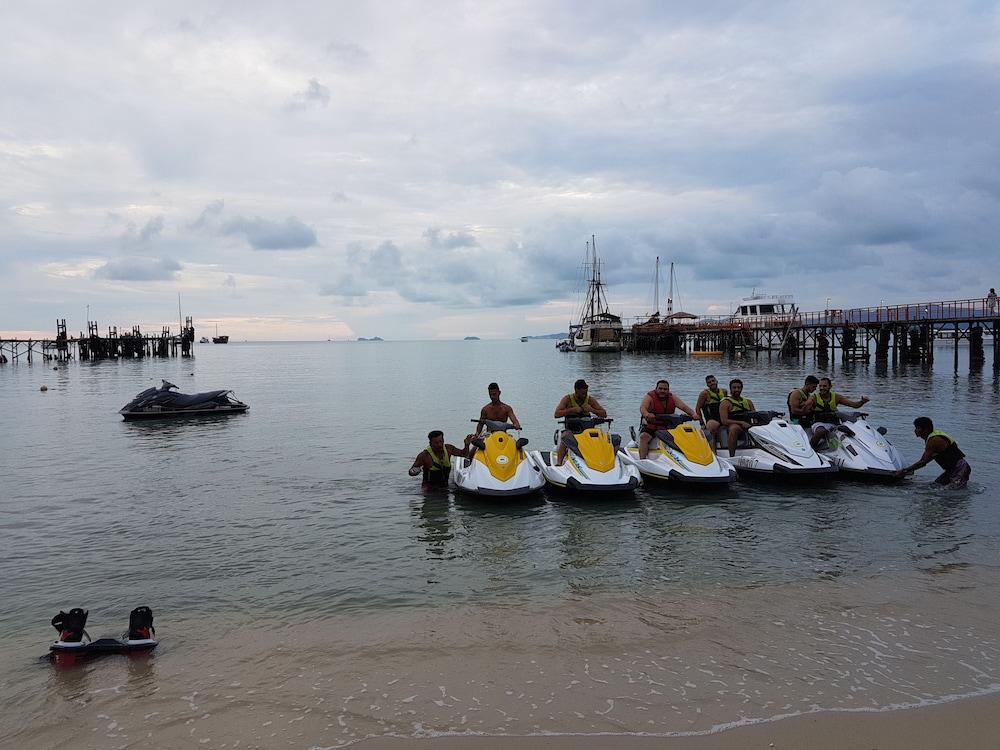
598 330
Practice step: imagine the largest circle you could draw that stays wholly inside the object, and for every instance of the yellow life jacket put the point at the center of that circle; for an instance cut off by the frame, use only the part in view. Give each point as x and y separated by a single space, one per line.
438 463
825 407
742 405
573 403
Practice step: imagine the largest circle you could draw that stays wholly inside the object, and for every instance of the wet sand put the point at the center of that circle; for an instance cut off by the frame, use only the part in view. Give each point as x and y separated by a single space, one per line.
966 724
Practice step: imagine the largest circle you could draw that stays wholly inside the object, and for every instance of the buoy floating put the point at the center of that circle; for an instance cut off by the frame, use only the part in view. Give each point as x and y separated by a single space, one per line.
44 388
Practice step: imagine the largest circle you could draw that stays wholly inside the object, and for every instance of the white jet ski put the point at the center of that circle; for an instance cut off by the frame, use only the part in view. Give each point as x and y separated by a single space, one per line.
680 453
499 467
774 448
594 461
859 450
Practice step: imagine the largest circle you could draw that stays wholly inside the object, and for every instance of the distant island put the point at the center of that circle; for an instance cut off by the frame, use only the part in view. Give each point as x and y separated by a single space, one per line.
550 336
472 338
373 338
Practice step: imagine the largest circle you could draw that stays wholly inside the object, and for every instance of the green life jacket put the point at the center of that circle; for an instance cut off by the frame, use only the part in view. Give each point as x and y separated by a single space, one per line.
800 419
573 403
825 407
438 463
951 455
739 405
440 468
715 397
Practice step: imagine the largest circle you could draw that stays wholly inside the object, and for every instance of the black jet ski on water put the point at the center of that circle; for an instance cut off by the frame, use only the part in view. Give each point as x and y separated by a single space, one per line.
74 640
166 401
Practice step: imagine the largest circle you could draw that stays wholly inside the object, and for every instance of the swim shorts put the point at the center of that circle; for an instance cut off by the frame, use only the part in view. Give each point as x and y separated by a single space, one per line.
957 477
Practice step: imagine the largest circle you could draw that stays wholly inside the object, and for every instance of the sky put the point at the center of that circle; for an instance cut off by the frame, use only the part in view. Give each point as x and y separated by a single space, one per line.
415 170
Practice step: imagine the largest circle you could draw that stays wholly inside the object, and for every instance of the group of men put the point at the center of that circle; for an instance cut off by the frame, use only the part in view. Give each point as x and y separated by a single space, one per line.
813 407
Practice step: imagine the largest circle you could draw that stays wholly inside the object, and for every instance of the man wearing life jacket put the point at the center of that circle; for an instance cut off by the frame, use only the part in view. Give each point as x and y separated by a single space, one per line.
435 460
496 410
824 413
656 403
579 403
943 449
707 406
801 402
734 412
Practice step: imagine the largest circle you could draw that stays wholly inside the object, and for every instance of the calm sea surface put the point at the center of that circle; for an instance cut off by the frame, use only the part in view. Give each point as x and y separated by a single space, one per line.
288 556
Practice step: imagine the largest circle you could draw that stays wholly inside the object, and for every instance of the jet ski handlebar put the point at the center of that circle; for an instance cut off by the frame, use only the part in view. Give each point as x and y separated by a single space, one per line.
584 422
763 417
494 426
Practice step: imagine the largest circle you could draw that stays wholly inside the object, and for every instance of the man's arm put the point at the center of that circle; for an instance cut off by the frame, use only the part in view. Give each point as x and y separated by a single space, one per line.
513 419
925 458
419 463
685 408
699 405
464 452
596 408
854 403
798 406
644 409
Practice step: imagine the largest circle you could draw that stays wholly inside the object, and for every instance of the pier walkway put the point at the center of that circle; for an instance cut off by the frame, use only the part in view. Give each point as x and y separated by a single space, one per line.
132 344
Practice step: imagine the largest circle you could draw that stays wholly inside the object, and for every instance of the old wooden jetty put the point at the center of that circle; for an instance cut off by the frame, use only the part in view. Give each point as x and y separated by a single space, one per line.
902 333
132 344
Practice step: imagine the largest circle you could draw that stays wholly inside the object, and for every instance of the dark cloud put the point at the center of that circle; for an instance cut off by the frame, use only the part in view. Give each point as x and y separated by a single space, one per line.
264 234
436 238
348 54
345 286
134 235
209 215
139 269
315 94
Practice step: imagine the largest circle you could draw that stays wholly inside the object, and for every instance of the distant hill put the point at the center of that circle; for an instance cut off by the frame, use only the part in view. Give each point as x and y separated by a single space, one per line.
373 338
550 336
471 338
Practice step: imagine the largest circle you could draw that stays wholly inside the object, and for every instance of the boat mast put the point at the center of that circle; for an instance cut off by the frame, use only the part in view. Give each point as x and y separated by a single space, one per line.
670 294
656 289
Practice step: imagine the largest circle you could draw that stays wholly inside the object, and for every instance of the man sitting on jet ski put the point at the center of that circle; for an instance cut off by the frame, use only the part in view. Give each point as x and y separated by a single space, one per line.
707 406
656 403
496 410
435 459
801 402
734 412
579 403
943 449
824 414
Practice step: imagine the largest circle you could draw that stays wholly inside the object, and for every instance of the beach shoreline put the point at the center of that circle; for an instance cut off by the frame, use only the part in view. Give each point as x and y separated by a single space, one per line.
960 724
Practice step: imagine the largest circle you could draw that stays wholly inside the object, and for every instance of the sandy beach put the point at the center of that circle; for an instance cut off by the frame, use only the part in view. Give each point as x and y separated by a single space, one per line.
965 724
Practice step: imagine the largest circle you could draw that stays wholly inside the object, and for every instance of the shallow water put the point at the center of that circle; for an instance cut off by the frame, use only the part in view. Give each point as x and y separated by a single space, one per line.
295 535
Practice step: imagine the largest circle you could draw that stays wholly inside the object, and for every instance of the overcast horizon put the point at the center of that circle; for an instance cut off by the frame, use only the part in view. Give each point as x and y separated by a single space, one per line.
416 171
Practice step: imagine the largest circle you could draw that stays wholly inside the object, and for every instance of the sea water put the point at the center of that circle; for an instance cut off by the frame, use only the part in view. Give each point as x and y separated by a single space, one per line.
308 594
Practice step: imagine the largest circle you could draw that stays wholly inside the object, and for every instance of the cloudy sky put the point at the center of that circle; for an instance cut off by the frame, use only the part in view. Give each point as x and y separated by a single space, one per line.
432 170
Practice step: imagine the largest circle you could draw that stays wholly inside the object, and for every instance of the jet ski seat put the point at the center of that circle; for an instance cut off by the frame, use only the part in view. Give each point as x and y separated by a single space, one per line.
616 441
722 438
71 625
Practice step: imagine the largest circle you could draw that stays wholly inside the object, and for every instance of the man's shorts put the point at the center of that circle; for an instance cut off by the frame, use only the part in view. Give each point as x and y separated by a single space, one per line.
957 477
828 426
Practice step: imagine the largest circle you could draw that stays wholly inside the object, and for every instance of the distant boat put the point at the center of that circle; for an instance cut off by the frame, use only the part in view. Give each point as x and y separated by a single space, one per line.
524 339
204 340
471 338
598 330
373 338
217 339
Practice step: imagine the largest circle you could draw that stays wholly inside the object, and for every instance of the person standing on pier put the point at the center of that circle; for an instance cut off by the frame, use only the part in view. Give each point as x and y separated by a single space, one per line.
991 301
707 406
824 414
801 402
656 403
942 448
579 403
734 412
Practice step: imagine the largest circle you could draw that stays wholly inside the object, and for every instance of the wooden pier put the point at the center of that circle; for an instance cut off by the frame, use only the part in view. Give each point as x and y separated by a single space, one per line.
902 333
132 344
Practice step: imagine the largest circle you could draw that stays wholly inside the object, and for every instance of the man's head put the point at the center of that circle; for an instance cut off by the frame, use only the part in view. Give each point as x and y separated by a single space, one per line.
811 382
825 386
736 387
922 427
580 386
662 389
712 382
436 440
494 390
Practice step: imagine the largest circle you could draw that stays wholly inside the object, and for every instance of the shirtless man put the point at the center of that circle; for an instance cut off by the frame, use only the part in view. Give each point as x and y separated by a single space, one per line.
496 410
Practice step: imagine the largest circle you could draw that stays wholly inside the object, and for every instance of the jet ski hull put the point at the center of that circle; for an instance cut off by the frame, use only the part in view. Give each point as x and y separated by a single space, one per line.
574 475
860 451
474 478
776 450
684 458
133 416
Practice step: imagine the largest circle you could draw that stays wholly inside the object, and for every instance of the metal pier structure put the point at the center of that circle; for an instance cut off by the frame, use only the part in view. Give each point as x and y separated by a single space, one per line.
902 333
132 344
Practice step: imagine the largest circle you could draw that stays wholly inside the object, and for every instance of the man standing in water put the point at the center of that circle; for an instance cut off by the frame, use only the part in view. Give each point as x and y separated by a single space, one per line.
658 402
734 411
579 403
707 406
435 459
944 450
496 410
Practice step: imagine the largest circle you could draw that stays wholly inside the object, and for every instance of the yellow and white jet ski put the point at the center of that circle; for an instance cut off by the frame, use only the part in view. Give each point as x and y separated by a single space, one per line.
594 461
499 467
680 453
